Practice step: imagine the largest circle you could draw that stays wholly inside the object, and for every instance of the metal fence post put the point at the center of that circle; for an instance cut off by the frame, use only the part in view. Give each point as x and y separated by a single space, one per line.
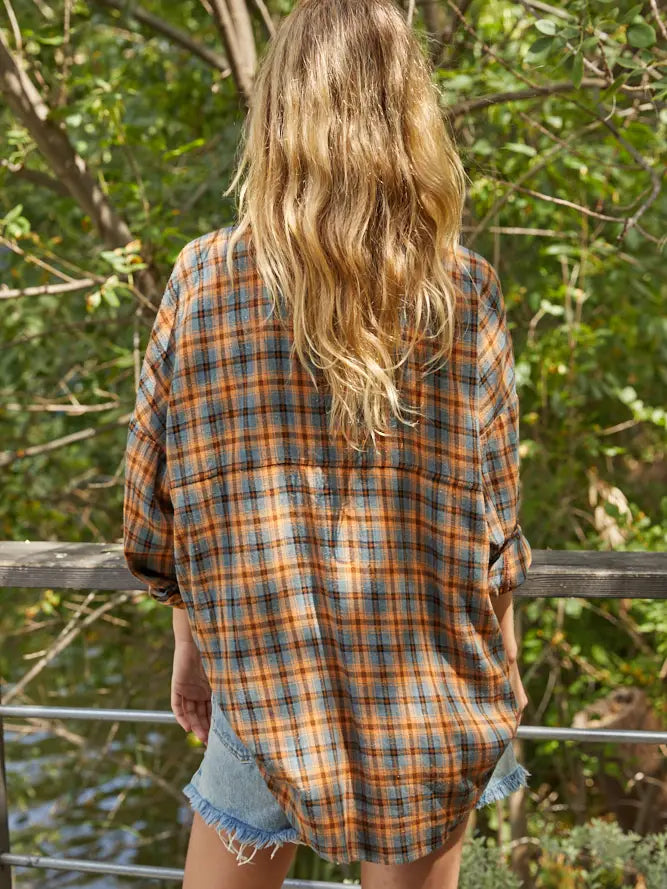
5 869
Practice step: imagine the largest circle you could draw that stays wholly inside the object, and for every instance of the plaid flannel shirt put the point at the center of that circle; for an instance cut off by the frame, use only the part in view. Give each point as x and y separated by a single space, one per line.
341 602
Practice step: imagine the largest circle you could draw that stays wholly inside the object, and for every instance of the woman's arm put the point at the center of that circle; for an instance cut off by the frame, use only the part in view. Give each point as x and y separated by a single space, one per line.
181 626
190 688
504 611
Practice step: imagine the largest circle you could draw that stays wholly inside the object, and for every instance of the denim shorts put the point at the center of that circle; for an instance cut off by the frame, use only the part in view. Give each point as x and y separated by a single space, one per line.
229 793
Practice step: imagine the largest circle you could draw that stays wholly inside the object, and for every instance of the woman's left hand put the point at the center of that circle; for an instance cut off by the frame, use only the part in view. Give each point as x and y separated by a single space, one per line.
190 691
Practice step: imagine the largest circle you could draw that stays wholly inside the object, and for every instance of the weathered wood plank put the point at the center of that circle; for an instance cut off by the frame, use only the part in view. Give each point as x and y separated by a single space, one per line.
101 566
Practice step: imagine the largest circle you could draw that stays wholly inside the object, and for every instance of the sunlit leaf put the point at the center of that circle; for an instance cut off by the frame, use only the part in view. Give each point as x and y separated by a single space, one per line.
641 34
546 26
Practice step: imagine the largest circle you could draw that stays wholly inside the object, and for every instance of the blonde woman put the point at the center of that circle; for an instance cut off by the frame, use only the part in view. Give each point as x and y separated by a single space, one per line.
322 479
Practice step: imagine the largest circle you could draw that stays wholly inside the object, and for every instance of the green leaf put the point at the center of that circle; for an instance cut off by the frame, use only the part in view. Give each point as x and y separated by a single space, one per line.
482 146
110 296
13 214
182 149
147 604
521 148
459 82
50 41
641 34
15 224
615 86
546 26
578 70
125 361
574 608
630 14
542 44
121 262
599 653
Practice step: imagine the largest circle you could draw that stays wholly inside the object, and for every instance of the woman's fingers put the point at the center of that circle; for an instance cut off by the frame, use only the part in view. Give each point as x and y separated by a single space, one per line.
178 709
192 716
196 713
204 713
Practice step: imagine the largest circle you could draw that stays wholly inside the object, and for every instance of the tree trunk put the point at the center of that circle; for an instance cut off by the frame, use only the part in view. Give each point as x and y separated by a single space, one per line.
235 27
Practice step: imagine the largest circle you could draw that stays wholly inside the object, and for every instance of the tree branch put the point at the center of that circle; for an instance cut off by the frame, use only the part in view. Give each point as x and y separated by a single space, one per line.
235 27
67 287
565 86
67 636
74 410
435 20
447 34
9 457
43 180
160 26
266 17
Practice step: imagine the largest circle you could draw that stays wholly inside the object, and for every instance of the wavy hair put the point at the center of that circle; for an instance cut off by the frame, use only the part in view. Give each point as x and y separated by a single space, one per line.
353 200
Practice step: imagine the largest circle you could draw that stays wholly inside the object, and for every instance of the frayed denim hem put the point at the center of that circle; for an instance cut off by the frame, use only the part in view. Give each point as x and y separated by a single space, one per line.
504 786
235 829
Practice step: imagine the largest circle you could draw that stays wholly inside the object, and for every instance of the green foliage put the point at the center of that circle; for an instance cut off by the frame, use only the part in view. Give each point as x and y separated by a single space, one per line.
599 855
483 867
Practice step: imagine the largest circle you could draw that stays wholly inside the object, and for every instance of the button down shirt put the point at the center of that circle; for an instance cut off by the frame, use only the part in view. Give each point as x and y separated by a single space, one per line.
341 601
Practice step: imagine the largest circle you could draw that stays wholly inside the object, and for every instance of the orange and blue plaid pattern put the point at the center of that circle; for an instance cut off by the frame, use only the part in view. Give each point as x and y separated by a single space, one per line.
341 601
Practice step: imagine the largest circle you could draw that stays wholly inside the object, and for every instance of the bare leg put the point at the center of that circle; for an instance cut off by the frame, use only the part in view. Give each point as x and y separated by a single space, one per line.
438 870
210 865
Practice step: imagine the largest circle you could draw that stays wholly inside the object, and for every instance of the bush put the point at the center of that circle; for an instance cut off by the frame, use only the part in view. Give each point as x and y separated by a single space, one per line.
597 855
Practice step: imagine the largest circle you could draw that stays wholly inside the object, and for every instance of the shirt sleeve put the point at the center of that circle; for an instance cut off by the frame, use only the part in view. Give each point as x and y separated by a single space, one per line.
510 553
148 514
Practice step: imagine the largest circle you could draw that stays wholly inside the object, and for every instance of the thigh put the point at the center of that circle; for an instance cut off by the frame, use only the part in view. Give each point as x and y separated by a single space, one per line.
209 863
437 870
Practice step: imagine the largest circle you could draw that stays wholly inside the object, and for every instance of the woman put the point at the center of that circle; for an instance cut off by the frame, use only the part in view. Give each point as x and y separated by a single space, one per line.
342 607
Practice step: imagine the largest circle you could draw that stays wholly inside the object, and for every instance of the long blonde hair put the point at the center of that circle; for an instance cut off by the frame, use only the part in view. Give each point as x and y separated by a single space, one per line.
353 199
